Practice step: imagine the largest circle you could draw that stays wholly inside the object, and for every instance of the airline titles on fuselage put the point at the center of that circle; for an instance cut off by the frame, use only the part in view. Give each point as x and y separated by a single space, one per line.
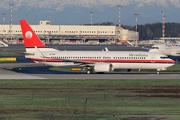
137 55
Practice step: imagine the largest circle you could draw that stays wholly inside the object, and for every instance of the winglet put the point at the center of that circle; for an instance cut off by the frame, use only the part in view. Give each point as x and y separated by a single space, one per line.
30 38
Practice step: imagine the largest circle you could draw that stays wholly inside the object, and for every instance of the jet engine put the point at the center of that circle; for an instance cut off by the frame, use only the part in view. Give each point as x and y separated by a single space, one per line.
103 67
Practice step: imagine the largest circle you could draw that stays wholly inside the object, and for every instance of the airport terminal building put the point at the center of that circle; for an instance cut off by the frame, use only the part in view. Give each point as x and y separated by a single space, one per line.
64 34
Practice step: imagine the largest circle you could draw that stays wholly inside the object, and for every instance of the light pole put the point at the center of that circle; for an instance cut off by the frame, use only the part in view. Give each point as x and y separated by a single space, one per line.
10 28
136 44
163 25
91 13
119 31
4 19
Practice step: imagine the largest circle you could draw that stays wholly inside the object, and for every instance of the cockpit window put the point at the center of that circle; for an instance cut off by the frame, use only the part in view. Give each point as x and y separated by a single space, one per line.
164 57
155 47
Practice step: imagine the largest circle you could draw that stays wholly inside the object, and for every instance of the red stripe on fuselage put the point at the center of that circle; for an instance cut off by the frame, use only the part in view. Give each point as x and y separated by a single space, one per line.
104 60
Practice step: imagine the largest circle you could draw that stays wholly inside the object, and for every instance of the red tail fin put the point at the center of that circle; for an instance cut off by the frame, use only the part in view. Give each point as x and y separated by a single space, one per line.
30 38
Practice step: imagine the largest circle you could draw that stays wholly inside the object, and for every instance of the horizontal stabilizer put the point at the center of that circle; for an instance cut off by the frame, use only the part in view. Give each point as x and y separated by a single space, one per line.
28 53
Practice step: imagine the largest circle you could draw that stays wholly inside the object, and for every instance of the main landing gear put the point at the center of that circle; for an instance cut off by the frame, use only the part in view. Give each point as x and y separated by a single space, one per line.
89 70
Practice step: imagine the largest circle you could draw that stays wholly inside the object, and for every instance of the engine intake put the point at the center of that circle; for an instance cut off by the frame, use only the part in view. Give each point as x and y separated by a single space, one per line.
103 67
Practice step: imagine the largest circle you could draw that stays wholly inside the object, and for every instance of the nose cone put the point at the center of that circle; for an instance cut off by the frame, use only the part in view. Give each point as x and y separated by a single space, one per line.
169 62
172 61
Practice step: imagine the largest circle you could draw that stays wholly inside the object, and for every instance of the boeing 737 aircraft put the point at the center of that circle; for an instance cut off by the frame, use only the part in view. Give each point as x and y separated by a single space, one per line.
91 61
166 49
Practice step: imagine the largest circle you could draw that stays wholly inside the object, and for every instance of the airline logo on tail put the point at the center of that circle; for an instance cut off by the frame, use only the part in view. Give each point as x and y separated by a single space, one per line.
30 38
28 34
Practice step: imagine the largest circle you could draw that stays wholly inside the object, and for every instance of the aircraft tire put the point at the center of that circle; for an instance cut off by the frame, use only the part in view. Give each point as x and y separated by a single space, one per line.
89 71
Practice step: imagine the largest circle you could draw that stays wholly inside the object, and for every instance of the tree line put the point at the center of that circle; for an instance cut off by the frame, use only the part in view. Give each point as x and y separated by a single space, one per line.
151 31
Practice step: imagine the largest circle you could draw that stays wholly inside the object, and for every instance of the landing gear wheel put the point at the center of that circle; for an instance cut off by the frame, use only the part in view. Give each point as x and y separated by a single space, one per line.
89 71
158 71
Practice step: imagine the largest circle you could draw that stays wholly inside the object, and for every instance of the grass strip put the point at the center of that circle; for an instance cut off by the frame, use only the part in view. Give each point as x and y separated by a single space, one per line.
106 99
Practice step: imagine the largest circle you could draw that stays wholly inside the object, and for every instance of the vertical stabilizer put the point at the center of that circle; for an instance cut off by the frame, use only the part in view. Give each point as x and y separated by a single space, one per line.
30 38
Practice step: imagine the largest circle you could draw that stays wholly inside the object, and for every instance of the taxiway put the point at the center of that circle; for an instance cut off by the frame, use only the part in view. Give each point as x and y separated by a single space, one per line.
40 71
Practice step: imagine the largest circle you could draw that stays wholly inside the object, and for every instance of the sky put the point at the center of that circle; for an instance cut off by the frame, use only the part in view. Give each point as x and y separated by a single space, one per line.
76 12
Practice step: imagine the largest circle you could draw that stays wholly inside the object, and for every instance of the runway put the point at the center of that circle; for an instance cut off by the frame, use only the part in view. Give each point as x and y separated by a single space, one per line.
108 76
26 71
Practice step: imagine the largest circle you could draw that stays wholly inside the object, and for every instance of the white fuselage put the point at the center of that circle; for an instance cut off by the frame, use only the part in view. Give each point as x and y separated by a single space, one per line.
166 49
118 59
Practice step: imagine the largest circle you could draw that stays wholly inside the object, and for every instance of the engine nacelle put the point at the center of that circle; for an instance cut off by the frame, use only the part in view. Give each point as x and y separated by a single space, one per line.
103 67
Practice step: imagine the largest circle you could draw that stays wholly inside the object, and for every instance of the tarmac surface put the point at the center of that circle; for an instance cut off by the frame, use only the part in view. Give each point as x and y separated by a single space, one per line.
76 47
40 71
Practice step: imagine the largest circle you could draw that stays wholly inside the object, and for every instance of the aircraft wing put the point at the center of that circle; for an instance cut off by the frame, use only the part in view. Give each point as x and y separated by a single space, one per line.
86 63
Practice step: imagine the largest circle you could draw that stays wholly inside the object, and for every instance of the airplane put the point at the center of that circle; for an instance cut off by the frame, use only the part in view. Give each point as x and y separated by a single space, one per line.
166 49
91 61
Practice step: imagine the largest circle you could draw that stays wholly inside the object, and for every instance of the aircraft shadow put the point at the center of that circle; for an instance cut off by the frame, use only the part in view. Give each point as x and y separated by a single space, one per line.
41 70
